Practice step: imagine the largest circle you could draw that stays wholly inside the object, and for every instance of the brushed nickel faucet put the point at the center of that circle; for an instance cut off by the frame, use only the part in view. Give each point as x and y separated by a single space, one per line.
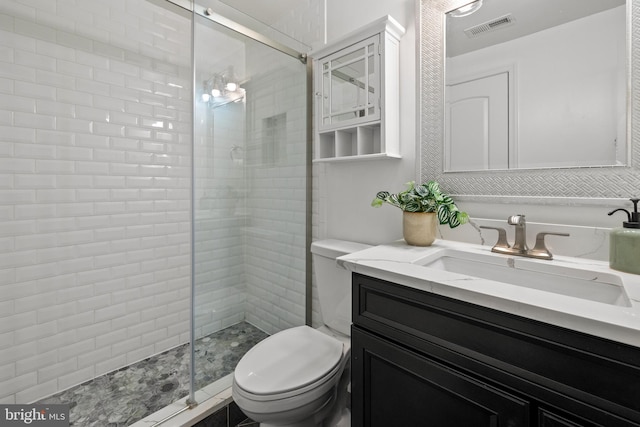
520 248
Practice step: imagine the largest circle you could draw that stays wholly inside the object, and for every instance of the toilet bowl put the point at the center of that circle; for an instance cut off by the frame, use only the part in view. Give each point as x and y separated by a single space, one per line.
299 377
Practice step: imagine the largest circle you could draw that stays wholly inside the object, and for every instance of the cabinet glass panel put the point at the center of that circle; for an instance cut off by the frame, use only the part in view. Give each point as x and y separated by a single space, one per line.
350 84
346 92
347 58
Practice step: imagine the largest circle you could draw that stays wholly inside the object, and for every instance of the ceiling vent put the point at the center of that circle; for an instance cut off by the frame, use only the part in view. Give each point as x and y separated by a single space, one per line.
492 25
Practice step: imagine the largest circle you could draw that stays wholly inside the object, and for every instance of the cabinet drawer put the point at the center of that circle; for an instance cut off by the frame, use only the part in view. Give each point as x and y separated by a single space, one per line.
574 371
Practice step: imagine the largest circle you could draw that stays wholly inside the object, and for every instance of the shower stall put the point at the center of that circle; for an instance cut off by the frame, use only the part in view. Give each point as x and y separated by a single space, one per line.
154 200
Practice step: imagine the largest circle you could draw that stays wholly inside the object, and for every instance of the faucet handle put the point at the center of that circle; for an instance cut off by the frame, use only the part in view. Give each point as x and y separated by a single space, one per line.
502 244
540 249
518 219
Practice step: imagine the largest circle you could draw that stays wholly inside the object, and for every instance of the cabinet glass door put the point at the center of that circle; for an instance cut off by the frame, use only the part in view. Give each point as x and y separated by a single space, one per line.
350 85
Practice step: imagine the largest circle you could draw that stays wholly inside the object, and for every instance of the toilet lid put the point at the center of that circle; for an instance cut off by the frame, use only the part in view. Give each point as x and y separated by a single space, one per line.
287 361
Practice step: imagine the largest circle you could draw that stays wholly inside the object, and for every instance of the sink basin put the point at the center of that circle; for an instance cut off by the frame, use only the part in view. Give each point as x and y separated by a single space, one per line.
548 276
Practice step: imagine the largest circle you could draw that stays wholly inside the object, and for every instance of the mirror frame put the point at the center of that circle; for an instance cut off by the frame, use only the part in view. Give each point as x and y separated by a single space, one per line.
583 182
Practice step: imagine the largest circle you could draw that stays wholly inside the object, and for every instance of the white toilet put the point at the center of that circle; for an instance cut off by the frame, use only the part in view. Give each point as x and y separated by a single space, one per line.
297 377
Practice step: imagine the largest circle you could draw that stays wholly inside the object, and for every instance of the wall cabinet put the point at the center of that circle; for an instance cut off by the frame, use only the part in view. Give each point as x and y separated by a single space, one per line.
423 359
357 88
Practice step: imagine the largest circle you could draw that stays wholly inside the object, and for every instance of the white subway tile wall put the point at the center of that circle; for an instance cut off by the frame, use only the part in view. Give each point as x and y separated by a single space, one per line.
95 160
254 172
95 176
276 195
303 21
221 180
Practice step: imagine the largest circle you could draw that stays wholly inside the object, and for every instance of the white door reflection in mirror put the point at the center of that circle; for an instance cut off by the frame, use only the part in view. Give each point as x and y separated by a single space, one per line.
477 124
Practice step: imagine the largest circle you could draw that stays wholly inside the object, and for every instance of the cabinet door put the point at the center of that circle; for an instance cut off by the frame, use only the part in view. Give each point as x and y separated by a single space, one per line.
349 85
392 386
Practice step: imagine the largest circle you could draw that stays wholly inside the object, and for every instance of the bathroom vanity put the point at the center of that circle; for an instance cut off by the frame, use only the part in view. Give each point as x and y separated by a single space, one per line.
440 348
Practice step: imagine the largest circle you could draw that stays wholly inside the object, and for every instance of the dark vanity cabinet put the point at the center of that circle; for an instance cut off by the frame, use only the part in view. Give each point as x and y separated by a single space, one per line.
420 359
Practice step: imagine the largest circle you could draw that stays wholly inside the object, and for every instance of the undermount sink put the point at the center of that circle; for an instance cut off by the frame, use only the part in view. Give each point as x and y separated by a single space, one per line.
574 281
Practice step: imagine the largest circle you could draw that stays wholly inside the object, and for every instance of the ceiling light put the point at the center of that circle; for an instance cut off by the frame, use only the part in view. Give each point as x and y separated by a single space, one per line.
466 10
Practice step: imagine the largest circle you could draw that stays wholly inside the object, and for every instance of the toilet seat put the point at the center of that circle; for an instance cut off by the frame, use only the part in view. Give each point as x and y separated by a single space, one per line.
289 363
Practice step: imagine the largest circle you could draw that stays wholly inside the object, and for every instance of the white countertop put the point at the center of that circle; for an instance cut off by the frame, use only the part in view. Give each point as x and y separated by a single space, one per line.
402 264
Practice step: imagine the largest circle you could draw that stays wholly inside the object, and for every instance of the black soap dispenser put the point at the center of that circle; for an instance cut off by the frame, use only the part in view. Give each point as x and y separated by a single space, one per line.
624 242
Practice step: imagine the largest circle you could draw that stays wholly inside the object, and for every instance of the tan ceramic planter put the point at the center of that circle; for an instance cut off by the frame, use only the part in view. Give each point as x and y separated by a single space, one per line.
419 228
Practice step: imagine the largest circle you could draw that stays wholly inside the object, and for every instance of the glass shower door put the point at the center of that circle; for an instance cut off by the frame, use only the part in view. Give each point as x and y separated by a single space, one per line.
250 169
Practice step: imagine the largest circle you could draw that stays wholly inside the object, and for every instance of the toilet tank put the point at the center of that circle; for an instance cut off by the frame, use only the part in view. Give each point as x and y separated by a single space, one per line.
334 282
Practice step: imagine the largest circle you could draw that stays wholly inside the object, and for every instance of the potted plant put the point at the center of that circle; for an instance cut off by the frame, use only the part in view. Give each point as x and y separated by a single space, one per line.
420 206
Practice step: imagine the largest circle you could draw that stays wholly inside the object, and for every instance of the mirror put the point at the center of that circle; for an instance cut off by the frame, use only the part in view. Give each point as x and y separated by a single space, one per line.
535 84
595 181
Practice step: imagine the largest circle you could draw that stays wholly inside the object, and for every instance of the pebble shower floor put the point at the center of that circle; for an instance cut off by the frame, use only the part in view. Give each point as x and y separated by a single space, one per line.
127 395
